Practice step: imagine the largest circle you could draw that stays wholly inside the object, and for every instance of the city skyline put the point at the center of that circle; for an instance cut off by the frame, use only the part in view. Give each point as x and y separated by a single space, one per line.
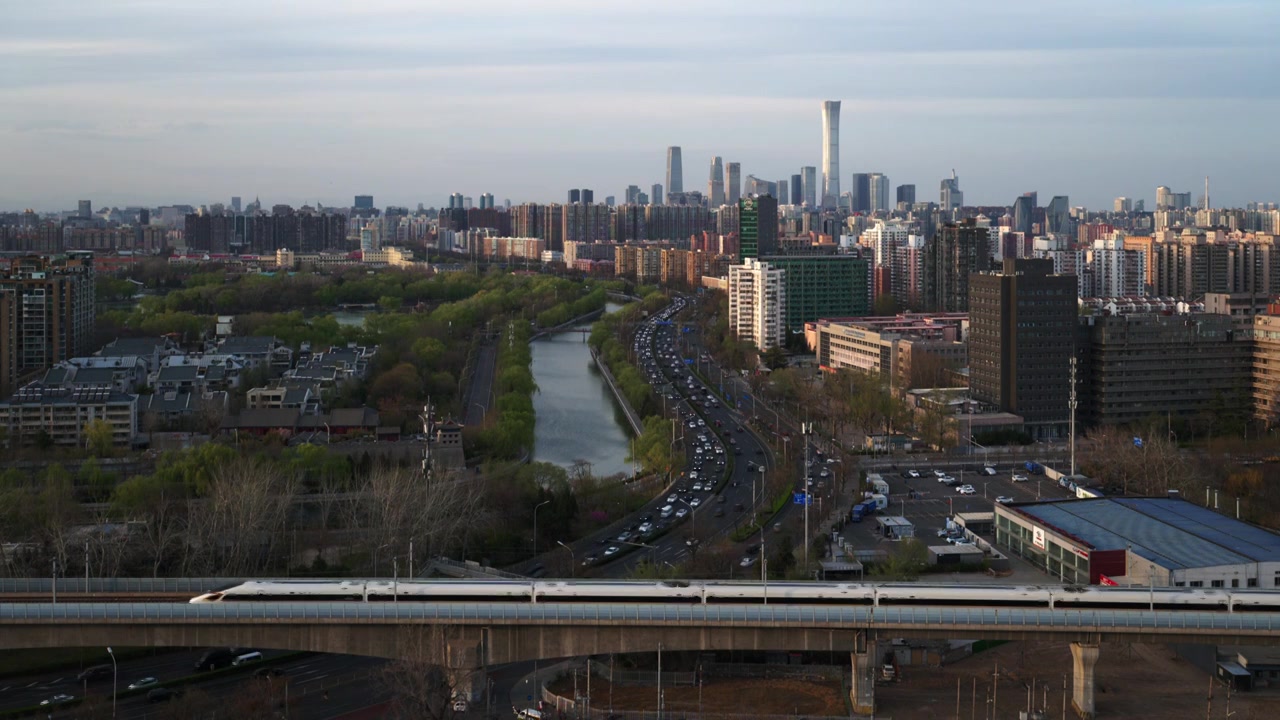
106 103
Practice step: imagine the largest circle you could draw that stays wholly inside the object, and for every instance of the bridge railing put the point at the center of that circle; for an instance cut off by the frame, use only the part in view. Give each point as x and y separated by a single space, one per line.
805 616
195 586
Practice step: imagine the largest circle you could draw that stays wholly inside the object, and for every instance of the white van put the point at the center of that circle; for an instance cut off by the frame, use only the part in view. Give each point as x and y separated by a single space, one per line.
246 658
529 714
666 511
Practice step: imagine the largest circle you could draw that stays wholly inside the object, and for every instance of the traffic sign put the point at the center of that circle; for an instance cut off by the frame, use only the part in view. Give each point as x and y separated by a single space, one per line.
801 499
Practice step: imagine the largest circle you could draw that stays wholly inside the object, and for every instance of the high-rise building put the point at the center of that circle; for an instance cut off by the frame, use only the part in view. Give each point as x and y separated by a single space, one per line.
675 173
951 198
632 193
732 183
588 197
46 314
809 181
655 194
1123 205
1164 198
757 303
951 256
715 184
1024 209
1022 325
882 238
906 196
783 193
878 198
1057 216
824 286
860 193
757 226
235 203
797 191
830 153
575 196
906 274
1118 272
364 202
486 201
85 209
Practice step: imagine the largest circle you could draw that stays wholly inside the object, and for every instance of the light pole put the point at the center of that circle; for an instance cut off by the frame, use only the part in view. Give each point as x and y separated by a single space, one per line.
573 561
395 578
754 490
328 437
115 677
535 525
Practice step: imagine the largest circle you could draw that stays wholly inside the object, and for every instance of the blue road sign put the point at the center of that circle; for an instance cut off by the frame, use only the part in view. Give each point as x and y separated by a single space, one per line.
800 498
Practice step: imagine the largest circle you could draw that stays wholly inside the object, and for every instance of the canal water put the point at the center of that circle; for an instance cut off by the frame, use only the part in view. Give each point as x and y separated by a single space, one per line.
577 416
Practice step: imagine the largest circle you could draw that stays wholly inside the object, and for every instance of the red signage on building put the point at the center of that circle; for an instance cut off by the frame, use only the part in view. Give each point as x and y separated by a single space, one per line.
1104 580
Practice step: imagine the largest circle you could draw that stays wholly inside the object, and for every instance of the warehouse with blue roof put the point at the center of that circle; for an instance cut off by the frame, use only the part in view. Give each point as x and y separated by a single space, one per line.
1161 541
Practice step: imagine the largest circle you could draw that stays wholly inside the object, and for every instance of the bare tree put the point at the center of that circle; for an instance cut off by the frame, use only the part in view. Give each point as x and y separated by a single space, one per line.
396 506
422 683
237 525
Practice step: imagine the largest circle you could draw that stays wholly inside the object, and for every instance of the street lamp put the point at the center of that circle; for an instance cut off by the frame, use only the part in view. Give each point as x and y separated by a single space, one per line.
535 525
115 676
755 488
573 560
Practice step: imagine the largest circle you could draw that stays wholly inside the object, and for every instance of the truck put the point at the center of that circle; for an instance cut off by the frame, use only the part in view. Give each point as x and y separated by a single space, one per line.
877 483
862 509
1034 468
881 501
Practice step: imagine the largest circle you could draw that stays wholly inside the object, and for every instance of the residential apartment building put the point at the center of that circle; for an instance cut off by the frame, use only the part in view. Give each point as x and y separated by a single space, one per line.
757 301
1265 381
1021 338
46 314
60 414
954 254
1117 272
821 286
1135 366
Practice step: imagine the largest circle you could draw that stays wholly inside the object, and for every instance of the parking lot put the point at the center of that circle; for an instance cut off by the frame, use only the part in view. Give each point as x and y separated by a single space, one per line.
927 503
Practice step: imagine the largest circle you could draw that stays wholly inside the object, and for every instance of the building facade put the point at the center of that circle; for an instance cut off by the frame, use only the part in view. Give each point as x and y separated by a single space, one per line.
47 307
757 301
1021 340
956 252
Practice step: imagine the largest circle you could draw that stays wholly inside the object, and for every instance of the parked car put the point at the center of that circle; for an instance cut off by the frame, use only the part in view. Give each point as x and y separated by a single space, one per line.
966 490
1004 499
1019 478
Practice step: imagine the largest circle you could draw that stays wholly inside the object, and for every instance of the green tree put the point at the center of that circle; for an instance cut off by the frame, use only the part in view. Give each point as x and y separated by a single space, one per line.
99 438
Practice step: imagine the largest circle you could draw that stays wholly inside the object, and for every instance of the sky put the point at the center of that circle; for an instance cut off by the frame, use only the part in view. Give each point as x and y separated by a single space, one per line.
150 102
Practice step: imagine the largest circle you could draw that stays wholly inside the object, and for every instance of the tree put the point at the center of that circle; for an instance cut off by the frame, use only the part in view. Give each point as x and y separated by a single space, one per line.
774 358
886 304
428 676
99 438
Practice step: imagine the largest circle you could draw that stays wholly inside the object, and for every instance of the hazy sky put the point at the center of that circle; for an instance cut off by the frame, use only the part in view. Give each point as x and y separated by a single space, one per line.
166 101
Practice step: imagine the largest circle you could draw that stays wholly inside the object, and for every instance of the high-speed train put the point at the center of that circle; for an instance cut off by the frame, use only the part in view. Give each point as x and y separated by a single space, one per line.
714 592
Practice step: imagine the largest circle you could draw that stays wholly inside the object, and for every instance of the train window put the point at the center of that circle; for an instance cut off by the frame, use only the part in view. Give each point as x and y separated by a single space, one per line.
1216 583
1197 583
1252 582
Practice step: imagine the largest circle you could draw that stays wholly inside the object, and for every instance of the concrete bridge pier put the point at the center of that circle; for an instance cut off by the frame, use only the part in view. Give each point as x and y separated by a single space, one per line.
862 694
1084 657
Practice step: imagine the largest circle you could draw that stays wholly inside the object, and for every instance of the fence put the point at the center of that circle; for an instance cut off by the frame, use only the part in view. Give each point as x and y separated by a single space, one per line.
811 673
619 676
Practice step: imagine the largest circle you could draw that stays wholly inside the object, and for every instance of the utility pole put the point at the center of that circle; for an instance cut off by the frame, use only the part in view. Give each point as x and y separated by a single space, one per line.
1072 403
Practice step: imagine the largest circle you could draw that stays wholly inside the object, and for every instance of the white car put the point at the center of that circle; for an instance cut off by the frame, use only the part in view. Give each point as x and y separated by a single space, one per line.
682 512
988 470
697 487
695 502
1019 478
144 682
966 490
747 562
1004 499
611 550
939 474
913 473
60 699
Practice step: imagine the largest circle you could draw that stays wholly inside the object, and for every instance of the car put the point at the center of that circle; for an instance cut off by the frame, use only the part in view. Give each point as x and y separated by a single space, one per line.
957 540
59 699
157 695
144 682
824 474
611 551
1004 499
913 473
682 512
988 470
1019 478
644 528
946 479
695 502
97 672
747 562
966 490
623 537
672 498
590 560
939 474
943 532
690 542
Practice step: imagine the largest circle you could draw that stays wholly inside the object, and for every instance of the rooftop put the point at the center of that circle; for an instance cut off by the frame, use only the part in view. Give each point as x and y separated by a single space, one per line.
1170 532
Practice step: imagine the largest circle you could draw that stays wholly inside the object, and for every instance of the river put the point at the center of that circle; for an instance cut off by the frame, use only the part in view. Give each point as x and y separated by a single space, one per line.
577 416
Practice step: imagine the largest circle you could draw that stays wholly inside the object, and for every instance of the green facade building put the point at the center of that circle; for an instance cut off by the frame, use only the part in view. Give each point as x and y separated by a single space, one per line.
824 286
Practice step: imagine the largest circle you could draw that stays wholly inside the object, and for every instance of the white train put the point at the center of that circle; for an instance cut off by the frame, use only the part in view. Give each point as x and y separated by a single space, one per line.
714 592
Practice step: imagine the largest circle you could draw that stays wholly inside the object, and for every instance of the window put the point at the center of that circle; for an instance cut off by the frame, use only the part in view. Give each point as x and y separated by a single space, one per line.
1216 583
1252 582
1197 583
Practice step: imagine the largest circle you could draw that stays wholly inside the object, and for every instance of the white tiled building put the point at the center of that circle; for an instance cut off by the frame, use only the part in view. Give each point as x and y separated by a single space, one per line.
757 303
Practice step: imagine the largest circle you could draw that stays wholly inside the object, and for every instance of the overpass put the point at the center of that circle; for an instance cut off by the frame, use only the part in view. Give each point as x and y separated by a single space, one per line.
466 636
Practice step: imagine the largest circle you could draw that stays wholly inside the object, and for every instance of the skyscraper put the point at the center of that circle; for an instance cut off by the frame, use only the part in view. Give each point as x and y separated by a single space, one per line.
809 181
715 184
1023 210
860 193
757 227
950 197
1058 215
1164 198
655 195
907 195
732 183
588 197
675 173
575 196
783 193
878 199
633 192
85 209
235 203
1021 341
363 202
1123 205
830 153
797 194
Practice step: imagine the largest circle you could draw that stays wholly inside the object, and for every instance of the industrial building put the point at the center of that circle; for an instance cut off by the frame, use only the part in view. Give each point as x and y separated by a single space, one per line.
1162 542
